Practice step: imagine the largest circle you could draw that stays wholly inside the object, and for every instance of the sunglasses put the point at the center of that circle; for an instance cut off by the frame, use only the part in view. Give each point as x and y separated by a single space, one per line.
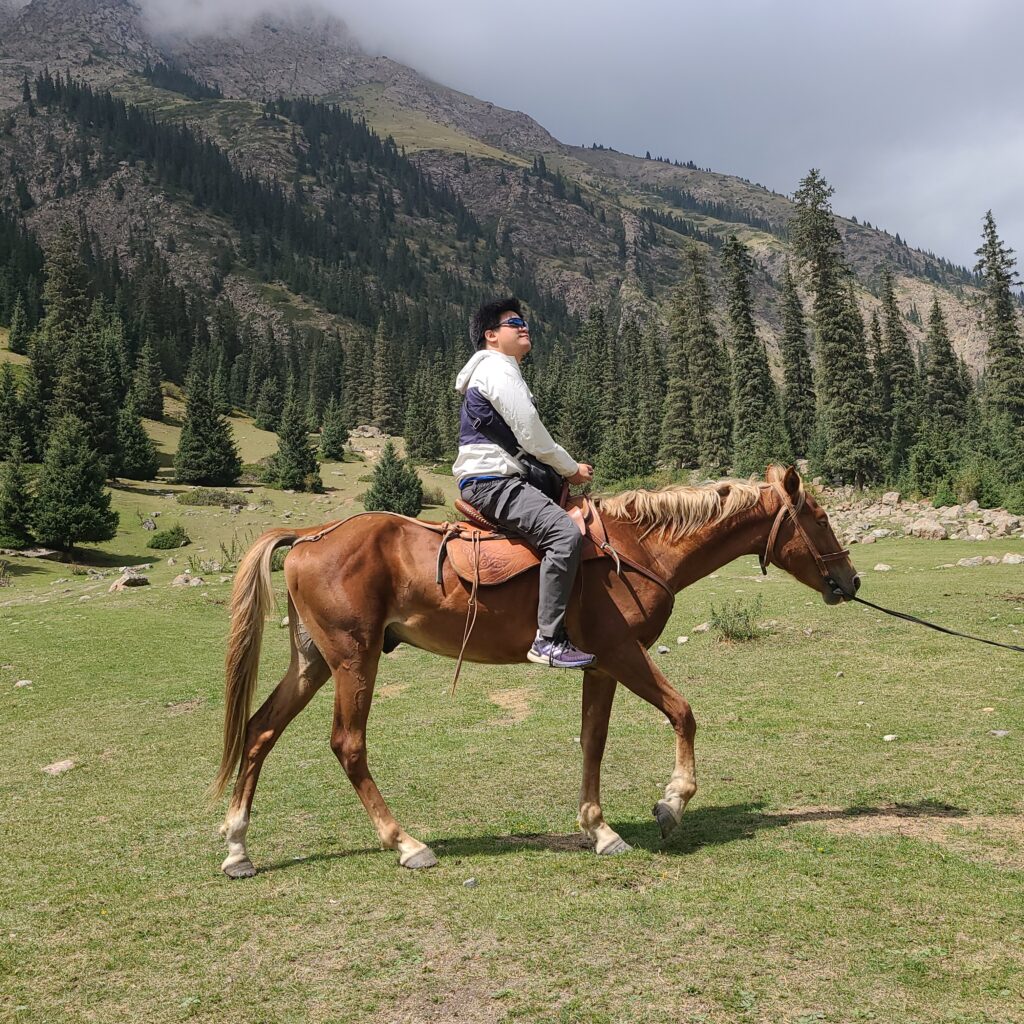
515 321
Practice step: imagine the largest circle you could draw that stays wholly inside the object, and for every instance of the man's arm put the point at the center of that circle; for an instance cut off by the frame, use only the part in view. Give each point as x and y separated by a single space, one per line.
511 398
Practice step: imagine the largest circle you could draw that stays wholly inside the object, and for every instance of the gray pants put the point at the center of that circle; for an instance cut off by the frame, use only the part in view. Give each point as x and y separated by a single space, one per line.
512 503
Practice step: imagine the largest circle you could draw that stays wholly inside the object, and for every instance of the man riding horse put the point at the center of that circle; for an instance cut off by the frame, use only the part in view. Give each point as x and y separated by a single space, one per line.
499 430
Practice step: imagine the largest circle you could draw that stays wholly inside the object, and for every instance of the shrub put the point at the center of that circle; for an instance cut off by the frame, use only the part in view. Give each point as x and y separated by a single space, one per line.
396 486
207 496
173 537
277 559
433 496
737 620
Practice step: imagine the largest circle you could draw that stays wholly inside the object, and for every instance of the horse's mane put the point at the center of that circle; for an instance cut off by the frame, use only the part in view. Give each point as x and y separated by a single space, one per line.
678 511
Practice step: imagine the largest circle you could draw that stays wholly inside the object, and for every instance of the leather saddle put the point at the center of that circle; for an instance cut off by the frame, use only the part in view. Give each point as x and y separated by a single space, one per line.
481 552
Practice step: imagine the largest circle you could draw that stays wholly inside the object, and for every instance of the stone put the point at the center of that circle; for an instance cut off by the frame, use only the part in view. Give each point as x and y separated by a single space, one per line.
882 567
470 883
662 649
148 524
954 511
22 682
1013 558
971 506
682 640
172 561
129 579
880 534
978 532
970 563
891 498
1000 734
867 539
59 767
889 737
992 559
702 628
928 529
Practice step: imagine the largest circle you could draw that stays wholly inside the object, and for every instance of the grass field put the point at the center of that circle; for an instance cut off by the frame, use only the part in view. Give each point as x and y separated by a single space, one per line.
821 873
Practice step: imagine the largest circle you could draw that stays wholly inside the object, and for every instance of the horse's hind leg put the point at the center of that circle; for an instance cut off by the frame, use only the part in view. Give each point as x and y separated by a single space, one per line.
353 690
306 673
598 693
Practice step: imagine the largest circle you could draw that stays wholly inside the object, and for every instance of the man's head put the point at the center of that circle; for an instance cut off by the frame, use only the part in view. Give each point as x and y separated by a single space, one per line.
491 328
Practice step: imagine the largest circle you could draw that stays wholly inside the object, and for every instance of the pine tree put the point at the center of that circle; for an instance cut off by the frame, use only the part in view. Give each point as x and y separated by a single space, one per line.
902 377
16 504
797 374
268 408
1004 374
334 434
71 503
18 337
145 389
385 403
206 450
709 372
943 384
294 464
11 424
220 388
420 431
396 486
759 433
678 445
136 456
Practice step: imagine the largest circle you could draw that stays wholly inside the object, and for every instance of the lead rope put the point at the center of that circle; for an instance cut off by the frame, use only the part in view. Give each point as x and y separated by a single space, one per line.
471 608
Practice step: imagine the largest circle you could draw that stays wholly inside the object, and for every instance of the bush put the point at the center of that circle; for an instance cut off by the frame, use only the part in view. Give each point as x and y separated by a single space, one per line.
173 537
433 496
736 620
396 486
208 496
277 559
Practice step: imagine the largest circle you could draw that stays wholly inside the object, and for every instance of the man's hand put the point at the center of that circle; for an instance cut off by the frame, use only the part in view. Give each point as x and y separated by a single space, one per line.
584 475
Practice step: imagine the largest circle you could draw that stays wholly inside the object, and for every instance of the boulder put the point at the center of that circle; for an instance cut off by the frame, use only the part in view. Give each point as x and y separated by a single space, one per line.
882 567
929 529
891 498
971 506
59 767
1013 558
970 563
992 559
978 532
128 579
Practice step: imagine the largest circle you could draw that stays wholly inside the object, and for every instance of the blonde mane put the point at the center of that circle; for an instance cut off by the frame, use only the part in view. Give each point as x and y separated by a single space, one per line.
678 511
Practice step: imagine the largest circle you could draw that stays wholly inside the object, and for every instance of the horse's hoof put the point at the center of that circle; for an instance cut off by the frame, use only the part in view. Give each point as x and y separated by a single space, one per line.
616 846
239 868
420 859
667 821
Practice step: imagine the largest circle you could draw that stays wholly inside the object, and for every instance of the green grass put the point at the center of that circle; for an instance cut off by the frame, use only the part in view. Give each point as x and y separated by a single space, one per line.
791 892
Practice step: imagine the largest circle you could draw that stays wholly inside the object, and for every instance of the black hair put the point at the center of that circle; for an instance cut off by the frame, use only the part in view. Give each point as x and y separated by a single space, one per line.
488 316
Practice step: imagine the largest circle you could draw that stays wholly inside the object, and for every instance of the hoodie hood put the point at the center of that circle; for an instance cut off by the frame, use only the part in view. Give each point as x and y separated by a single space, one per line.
466 373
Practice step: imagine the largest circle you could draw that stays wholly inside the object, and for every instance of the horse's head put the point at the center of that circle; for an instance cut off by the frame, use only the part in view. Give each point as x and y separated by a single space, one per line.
802 541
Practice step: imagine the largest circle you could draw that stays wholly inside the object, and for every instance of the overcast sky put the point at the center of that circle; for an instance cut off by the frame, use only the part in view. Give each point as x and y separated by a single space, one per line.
912 109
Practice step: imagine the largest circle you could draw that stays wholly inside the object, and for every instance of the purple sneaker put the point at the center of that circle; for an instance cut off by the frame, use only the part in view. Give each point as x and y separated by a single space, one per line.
558 654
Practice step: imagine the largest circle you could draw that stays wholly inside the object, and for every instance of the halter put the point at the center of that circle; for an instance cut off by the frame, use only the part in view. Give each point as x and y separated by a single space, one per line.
787 508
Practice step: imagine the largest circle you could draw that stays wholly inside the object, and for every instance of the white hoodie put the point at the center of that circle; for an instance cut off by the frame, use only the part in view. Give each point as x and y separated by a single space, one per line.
496 378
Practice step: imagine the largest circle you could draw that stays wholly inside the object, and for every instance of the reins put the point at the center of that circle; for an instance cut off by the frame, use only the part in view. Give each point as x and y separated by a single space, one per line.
788 509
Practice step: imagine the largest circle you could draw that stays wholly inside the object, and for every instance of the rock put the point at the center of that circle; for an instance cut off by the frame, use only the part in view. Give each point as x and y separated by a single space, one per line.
186 579
682 640
970 563
22 682
889 737
882 567
881 534
172 561
971 506
1012 558
840 674
999 734
867 539
992 559
59 767
891 498
662 649
928 529
470 883
148 524
197 581
247 490
129 579
988 710
284 622
978 532
702 628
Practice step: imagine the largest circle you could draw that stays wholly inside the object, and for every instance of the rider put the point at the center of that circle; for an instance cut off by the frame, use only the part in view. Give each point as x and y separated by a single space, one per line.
493 480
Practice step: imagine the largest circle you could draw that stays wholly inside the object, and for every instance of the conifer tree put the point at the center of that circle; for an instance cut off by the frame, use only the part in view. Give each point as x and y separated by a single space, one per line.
136 456
268 408
16 504
420 431
651 386
759 433
71 503
145 389
797 373
11 424
294 464
1004 374
943 383
902 380
18 337
708 370
220 388
678 444
396 486
334 433
385 404
206 450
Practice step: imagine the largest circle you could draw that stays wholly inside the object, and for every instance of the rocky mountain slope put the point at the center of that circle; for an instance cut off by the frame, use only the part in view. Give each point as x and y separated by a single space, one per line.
581 223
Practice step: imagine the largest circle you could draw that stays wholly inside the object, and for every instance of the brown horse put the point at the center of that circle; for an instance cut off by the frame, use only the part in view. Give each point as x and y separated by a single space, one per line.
369 585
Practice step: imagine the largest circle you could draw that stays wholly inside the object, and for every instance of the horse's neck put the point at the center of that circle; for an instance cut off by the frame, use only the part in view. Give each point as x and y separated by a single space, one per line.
692 558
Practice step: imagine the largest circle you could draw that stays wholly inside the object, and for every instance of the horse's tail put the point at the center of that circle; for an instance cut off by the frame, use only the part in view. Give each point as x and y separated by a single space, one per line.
251 601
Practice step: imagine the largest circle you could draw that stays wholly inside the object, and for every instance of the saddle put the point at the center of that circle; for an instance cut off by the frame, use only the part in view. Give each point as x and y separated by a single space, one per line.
483 553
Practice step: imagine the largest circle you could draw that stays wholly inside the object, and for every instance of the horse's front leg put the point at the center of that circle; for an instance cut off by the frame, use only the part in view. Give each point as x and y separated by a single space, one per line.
632 666
598 693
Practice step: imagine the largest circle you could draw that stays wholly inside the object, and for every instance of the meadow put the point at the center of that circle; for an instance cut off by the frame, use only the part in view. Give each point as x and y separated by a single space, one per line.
822 873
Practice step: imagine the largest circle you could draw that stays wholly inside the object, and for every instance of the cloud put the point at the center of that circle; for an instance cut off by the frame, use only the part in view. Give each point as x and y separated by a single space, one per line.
909 109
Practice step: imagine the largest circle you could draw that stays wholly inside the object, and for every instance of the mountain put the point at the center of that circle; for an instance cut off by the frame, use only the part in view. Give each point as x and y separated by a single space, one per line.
584 225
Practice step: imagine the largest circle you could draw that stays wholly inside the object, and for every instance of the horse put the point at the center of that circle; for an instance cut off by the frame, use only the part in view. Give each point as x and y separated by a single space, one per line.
359 588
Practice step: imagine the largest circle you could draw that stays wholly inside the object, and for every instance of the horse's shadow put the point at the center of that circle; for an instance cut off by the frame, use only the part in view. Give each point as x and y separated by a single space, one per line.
700 827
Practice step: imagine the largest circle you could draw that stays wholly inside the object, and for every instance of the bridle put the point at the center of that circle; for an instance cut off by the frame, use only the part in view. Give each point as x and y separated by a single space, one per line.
792 511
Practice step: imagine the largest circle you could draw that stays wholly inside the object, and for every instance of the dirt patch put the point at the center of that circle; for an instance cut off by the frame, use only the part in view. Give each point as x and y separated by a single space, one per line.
184 707
516 702
561 843
994 839
391 689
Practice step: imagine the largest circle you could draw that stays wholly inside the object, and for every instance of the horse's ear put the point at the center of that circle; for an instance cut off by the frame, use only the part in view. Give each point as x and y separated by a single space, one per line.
791 481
